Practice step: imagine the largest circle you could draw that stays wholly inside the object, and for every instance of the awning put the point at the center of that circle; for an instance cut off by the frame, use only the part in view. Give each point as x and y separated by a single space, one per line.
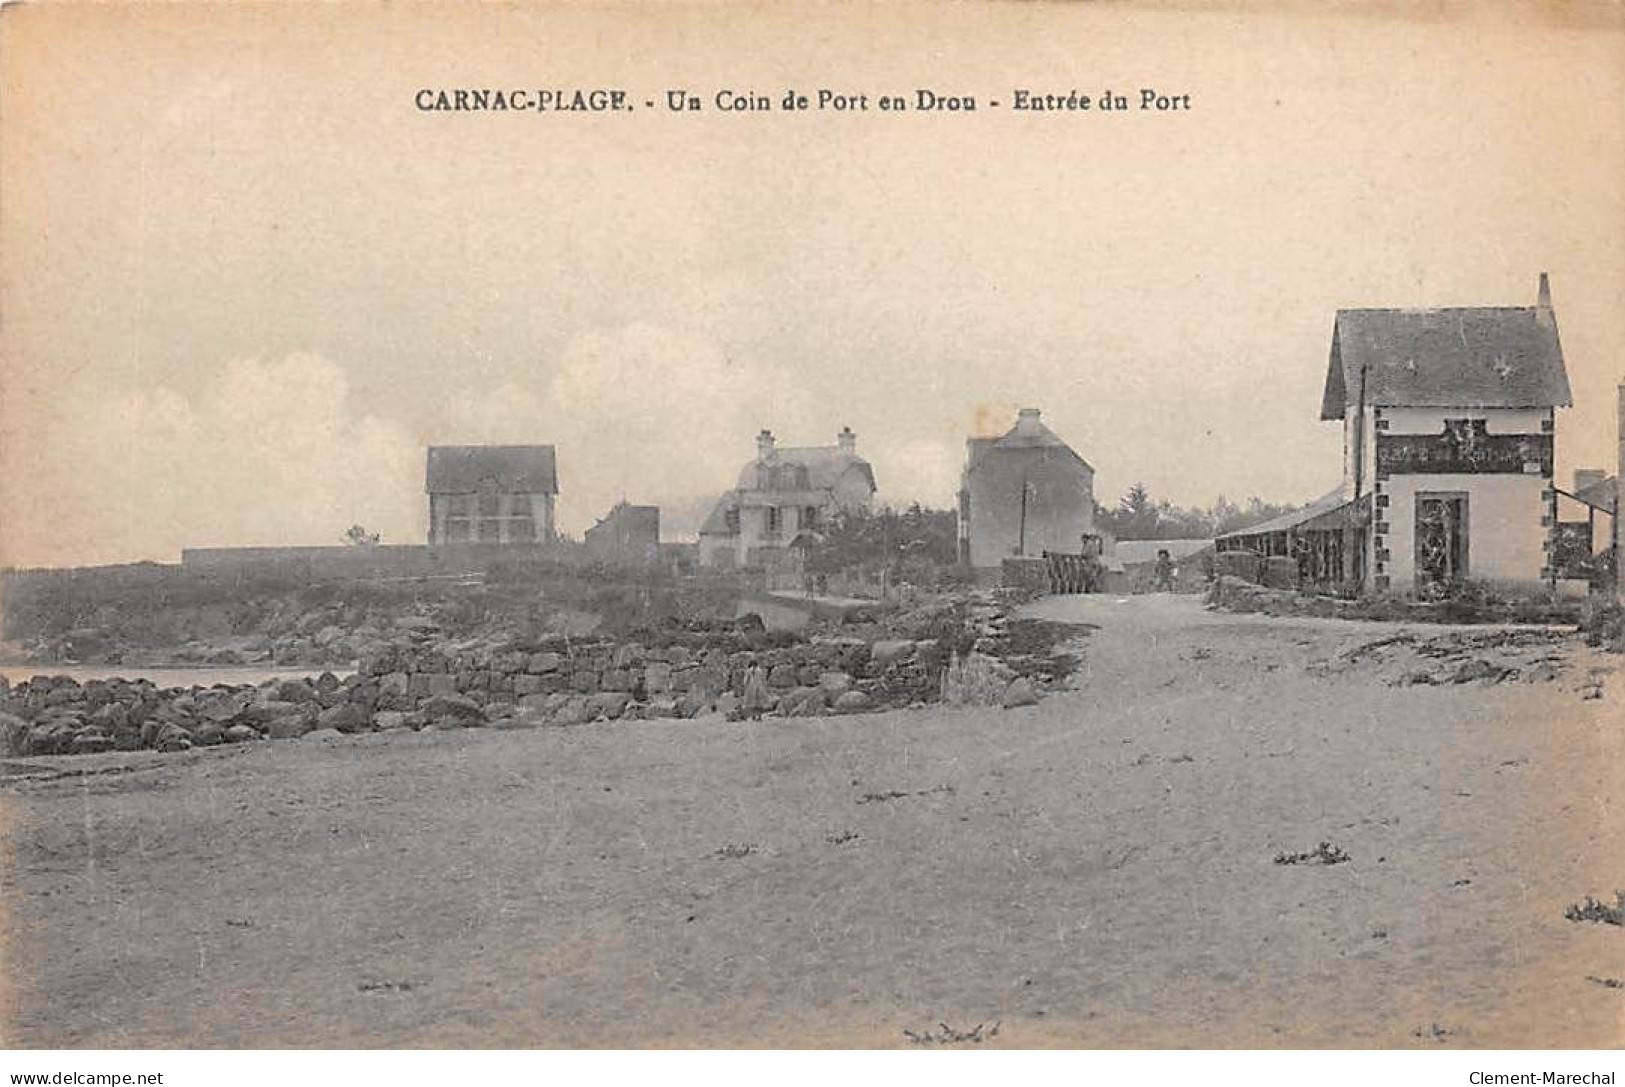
1328 513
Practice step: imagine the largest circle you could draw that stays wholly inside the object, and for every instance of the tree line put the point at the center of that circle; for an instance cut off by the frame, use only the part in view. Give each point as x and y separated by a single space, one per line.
917 536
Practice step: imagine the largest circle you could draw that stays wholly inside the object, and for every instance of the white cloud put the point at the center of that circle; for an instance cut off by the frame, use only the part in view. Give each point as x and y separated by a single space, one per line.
642 412
267 452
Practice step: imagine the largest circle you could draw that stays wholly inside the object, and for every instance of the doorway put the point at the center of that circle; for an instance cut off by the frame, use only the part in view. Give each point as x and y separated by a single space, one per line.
1441 540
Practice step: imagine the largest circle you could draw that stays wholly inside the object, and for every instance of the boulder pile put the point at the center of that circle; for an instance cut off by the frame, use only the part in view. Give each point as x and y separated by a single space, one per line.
422 679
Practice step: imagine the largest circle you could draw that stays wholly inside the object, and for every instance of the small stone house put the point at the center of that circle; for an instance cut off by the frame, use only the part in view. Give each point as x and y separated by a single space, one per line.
1021 494
781 500
491 494
626 534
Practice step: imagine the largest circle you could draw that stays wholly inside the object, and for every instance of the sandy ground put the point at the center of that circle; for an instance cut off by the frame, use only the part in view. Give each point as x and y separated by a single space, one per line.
1093 871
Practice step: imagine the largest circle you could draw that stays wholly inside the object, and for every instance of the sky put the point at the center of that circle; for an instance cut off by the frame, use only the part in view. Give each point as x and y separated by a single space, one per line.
244 282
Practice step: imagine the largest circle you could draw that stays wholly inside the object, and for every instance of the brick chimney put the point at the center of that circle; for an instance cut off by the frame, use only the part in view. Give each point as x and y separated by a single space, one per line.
847 440
764 444
1543 301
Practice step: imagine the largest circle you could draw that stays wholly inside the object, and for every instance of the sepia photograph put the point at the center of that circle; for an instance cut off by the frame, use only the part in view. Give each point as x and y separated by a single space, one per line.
559 526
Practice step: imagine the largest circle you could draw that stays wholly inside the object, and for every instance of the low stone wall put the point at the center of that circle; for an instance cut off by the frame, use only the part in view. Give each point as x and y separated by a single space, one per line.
1236 594
424 680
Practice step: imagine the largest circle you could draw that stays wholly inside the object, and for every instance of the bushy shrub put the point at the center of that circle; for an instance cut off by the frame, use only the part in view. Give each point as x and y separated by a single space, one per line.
1603 622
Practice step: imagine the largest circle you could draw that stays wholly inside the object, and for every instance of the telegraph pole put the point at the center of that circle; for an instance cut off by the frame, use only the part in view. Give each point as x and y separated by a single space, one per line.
1021 540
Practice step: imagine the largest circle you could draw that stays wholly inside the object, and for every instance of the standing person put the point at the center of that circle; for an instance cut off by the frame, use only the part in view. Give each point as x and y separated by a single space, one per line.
1162 576
756 699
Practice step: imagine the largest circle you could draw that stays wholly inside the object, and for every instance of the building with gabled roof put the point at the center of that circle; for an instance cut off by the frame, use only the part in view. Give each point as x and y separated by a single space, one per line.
782 498
627 534
1449 425
1023 493
498 494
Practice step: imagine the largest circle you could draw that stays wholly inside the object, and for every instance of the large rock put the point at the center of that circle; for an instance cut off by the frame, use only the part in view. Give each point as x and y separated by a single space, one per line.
345 717
224 706
657 677
87 743
885 653
851 702
238 734
543 662
835 682
611 704
172 737
62 696
804 702
389 720
263 712
290 726
458 707
295 690
434 683
783 676
574 711
1020 693
324 734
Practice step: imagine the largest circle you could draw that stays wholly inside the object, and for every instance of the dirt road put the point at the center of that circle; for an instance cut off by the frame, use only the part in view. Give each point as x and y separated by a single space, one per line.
1098 870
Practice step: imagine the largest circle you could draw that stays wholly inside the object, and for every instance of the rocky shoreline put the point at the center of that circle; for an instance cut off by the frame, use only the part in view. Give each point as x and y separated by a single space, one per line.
421 678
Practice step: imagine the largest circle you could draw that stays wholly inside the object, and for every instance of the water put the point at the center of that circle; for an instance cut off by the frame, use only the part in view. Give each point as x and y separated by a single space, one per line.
185 676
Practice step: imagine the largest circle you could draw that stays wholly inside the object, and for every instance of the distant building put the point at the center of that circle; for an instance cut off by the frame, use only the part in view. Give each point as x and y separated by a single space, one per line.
1023 493
783 496
626 534
1449 420
495 494
1580 542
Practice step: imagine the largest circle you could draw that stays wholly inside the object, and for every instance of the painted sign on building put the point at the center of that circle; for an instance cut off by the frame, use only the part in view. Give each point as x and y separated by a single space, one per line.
1464 447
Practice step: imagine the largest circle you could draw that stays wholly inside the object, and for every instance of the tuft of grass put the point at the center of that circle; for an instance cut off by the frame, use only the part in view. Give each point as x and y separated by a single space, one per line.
972 680
1601 912
946 1035
733 851
1324 853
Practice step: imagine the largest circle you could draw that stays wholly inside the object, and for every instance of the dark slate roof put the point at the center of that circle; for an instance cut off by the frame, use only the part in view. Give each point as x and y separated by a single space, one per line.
516 469
1485 357
825 465
1028 433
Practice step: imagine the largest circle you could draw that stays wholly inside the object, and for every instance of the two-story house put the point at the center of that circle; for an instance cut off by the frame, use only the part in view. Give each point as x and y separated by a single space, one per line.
492 494
1449 422
1021 494
785 492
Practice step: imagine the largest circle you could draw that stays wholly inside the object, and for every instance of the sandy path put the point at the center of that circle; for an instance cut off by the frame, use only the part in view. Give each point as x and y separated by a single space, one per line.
1096 870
